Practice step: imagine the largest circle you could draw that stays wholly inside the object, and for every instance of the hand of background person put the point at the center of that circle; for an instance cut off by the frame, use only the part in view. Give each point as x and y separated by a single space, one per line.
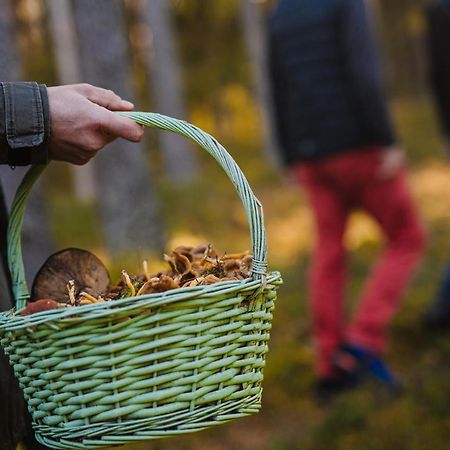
393 160
82 122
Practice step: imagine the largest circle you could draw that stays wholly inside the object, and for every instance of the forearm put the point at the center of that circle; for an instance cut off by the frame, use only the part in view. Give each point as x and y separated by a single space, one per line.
24 123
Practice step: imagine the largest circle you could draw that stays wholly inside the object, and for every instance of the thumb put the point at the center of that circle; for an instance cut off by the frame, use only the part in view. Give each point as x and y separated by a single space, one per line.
119 126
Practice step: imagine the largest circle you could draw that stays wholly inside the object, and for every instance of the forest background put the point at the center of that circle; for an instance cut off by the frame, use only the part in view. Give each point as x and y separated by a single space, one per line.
202 61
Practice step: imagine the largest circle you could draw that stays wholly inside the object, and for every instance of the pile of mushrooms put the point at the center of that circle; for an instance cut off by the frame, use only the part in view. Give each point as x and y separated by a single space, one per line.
75 277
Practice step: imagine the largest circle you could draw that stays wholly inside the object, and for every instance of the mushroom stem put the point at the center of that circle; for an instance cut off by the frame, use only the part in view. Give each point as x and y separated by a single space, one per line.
71 291
88 297
85 301
143 288
145 266
128 282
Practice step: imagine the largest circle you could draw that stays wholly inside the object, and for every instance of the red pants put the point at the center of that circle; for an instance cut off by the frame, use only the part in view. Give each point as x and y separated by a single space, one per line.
336 186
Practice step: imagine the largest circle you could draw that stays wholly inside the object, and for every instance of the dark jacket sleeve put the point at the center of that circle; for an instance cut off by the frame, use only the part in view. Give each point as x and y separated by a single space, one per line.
364 72
438 40
24 123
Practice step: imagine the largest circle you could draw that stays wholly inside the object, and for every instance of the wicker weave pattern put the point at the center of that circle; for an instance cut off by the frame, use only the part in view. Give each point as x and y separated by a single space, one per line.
147 367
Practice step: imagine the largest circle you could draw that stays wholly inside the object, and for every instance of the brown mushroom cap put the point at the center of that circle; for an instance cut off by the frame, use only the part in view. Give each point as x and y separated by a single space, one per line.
39 306
87 271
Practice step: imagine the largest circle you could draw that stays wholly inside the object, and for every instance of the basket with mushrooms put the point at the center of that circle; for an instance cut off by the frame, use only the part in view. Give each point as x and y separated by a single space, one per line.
155 354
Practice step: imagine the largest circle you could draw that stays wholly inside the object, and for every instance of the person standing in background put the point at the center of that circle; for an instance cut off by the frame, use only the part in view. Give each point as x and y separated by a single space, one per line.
337 139
438 21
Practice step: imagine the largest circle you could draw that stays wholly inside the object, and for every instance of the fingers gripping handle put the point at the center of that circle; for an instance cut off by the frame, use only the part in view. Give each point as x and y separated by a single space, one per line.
251 204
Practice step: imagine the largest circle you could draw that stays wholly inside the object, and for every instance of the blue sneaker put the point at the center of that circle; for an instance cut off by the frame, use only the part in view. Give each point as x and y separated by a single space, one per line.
360 362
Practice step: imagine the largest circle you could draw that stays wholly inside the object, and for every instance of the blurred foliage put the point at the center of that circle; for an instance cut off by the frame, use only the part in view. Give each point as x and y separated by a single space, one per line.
221 101
402 26
34 41
417 128
208 67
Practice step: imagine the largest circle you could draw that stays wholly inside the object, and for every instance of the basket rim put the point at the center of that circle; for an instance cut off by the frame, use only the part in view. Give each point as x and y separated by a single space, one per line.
11 321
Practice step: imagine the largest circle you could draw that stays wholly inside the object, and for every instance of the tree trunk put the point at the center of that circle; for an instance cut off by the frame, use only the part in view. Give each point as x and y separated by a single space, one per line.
255 41
69 71
37 242
126 197
162 63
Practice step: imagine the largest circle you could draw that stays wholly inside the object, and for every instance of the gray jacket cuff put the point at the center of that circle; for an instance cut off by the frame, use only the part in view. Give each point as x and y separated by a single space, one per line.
26 123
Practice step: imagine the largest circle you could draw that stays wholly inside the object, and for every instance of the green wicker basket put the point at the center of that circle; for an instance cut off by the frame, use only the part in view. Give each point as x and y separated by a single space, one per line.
145 367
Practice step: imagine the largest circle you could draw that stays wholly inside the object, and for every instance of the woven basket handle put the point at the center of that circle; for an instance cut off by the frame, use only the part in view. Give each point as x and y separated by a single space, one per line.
251 204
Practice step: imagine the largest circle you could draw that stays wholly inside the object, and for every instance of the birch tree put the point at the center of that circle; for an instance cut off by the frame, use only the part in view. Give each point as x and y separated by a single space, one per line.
127 200
37 242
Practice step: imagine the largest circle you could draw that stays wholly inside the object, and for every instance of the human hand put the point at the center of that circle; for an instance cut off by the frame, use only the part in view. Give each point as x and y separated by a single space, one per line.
82 122
393 159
